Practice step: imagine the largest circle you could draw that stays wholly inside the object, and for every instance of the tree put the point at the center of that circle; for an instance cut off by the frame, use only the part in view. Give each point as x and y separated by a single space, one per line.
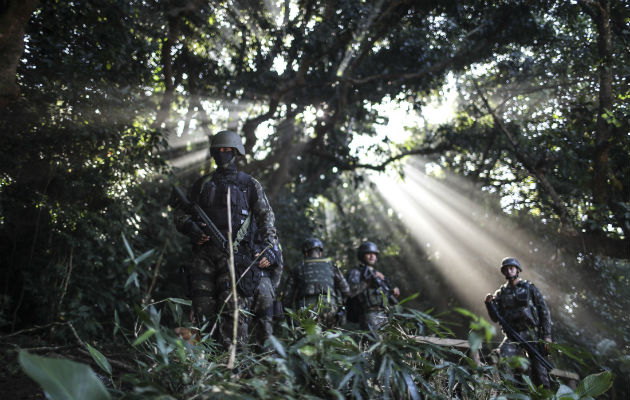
13 18
543 112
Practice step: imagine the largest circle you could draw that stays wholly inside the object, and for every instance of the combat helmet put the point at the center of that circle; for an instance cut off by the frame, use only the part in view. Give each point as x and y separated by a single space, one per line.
366 247
312 243
227 139
507 261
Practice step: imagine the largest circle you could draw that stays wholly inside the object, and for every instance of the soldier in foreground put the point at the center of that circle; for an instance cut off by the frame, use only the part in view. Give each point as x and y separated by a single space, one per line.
253 234
369 289
317 281
522 307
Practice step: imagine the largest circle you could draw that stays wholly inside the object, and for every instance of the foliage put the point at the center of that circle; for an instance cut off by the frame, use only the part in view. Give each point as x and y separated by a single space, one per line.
529 126
110 90
306 361
63 379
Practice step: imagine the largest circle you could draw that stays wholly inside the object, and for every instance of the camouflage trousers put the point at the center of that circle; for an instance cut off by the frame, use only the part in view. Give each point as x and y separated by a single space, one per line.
373 319
213 302
326 310
537 372
262 308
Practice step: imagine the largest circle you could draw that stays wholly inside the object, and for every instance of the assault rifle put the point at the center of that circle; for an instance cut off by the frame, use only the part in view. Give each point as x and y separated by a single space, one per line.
383 285
514 336
210 228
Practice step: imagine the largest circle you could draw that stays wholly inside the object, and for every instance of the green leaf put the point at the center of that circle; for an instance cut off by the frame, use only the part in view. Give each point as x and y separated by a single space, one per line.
466 313
63 379
594 384
566 393
132 278
311 327
116 322
150 332
412 389
278 346
409 298
308 350
475 340
181 351
144 256
100 359
128 247
179 301
143 315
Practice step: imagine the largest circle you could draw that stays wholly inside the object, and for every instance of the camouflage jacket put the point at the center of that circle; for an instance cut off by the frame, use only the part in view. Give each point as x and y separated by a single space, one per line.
261 231
365 287
301 284
523 307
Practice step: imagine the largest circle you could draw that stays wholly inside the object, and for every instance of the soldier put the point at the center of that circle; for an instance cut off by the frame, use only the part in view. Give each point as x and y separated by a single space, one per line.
317 280
523 308
253 231
369 288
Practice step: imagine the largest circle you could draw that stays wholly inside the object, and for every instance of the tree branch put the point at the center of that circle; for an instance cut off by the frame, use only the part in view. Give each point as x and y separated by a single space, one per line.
167 65
599 11
530 165
350 165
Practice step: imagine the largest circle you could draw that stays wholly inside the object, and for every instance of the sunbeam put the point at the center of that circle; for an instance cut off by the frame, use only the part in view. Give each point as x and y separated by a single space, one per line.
462 238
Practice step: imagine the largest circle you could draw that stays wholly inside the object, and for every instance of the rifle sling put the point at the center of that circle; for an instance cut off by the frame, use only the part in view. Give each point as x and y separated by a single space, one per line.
241 233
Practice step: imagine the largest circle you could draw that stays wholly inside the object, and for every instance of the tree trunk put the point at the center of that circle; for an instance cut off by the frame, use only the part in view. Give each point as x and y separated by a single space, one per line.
167 68
600 13
14 16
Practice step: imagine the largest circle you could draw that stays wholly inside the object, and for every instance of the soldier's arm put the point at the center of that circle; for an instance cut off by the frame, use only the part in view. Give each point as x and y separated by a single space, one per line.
497 300
340 283
265 224
543 312
395 290
184 222
356 284
264 217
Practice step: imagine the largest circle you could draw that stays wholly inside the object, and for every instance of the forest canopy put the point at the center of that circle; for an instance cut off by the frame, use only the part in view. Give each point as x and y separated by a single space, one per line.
105 104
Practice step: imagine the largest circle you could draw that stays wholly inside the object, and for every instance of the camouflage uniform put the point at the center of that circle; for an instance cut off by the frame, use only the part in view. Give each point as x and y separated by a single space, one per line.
253 230
370 296
315 279
524 309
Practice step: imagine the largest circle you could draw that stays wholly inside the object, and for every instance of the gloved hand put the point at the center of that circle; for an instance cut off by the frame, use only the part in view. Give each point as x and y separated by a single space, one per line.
193 230
271 254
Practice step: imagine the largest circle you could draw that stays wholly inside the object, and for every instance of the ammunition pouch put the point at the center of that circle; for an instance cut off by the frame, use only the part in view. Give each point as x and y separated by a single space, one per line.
521 299
530 317
373 298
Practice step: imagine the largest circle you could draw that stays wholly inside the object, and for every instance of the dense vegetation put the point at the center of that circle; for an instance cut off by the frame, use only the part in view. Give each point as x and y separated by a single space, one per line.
102 101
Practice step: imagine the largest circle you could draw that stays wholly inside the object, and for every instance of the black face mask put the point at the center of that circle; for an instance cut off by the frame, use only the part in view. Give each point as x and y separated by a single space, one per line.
223 158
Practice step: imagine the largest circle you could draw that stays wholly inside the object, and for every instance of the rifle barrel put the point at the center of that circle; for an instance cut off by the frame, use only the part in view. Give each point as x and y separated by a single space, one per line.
210 228
513 335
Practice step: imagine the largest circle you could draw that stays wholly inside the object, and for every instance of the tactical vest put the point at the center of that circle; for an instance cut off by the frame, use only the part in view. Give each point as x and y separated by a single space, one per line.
213 200
315 277
518 307
372 297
